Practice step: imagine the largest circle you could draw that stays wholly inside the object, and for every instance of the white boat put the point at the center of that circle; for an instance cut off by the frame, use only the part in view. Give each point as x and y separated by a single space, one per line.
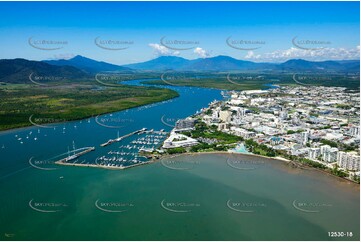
72 157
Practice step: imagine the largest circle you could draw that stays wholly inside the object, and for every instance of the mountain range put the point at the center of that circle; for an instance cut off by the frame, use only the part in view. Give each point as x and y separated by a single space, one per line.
226 63
18 71
218 63
79 67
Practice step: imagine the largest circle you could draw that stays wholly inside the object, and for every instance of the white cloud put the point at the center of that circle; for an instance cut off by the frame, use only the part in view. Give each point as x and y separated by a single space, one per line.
160 50
201 52
315 55
251 55
65 56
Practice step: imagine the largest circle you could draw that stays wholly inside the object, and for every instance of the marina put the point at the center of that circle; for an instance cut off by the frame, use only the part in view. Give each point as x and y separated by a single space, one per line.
129 154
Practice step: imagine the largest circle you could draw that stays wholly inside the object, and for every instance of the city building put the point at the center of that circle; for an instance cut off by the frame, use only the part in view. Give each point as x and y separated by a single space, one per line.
185 124
348 161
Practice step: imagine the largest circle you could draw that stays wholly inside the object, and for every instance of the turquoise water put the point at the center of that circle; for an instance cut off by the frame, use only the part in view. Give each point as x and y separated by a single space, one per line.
206 197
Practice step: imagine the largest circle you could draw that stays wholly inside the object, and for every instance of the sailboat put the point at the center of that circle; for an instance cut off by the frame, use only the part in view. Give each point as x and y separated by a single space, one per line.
71 157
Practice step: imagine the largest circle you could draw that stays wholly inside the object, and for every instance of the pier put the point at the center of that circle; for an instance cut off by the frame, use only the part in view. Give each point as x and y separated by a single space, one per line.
76 155
111 141
104 166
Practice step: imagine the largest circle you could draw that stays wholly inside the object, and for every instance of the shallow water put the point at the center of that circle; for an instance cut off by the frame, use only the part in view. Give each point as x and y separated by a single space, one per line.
203 197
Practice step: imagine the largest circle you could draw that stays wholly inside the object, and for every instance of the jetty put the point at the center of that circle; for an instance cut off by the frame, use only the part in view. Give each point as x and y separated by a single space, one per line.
75 155
111 141
104 166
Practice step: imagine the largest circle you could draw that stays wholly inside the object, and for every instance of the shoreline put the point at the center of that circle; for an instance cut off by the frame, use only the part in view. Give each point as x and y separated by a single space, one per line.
279 158
20 128
153 160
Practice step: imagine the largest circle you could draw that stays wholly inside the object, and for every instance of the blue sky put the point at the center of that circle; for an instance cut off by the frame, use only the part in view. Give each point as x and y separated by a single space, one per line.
257 31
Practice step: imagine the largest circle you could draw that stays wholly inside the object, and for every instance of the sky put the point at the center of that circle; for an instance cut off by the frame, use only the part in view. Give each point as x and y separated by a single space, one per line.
130 32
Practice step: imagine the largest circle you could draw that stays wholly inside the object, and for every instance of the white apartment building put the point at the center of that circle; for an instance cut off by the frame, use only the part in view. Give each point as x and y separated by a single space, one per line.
355 131
349 161
314 153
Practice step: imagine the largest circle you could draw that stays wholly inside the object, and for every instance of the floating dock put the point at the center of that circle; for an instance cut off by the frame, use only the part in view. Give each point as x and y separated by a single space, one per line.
111 141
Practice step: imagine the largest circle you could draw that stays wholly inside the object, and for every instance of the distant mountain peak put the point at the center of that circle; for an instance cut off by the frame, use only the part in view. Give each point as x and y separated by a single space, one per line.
87 64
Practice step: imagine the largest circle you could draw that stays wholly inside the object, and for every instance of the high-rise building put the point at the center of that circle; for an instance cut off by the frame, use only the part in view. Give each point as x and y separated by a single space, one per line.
241 112
349 161
304 136
314 153
355 131
328 154
215 114
324 149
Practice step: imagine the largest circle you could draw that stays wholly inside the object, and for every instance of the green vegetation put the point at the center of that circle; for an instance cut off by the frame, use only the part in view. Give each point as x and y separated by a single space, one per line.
204 131
343 106
209 112
70 102
312 163
325 127
178 150
250 80
356 178
338 172
203 147
314 114
224 141
329 142
340 146
259 149
218 83
294 132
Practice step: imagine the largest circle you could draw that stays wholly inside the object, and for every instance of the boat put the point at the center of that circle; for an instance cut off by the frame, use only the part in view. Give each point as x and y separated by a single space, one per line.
72 157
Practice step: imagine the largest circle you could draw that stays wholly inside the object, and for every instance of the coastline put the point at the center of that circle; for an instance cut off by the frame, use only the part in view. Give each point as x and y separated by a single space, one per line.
24 127
279 158
153 160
